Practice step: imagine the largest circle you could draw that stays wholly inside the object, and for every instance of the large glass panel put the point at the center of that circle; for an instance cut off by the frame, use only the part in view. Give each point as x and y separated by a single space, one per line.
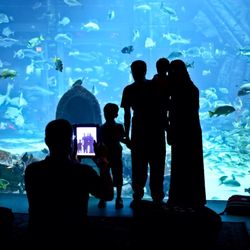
46 46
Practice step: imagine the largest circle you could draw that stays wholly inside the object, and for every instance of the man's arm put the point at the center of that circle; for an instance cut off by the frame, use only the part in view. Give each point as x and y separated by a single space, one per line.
127 124
125 104
127 120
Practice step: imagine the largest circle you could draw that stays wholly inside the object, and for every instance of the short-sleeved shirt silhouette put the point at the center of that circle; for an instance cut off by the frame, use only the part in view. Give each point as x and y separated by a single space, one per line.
111 134
137 97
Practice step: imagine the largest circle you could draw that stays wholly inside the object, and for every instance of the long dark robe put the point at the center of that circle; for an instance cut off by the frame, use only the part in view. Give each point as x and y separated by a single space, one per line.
187 183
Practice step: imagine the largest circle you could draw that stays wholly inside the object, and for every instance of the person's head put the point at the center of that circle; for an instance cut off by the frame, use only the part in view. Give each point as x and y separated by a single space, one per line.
110 111
58 137
138 70
162 66
179 70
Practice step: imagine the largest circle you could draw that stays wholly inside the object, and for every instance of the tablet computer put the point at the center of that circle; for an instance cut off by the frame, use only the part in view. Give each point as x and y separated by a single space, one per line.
84 137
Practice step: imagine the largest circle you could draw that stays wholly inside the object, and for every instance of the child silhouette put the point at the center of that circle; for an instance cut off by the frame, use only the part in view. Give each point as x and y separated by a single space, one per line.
112 134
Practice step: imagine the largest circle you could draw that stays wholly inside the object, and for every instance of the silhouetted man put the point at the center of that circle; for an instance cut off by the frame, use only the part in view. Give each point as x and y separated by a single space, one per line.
158 124
137 98
58 190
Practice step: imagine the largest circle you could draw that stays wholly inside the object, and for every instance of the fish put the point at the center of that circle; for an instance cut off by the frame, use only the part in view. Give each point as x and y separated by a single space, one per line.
194 51
72 3
136 34
127 49
222 110
206 72
91 26
12 113
30 53
4 98
7 42
111 15
111 61
58 64
7 32
245 51
167 10
77 83
3 184
63 38
105 84
78 70
33 42
142 7
30 68
222 179
224 90
149 43
36 5
64 21
3 125
25 157
4 18
231 182
123 66
8 73
52 82
18 101
94 91
84 56
175 54
244 89
45 151
175 39
190 64
19 121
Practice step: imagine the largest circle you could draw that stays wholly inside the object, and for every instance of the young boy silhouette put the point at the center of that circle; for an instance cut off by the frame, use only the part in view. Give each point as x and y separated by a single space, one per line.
112 134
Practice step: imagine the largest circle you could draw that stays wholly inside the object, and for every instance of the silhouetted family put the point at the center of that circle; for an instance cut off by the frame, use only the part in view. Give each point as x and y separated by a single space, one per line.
164 109
169 103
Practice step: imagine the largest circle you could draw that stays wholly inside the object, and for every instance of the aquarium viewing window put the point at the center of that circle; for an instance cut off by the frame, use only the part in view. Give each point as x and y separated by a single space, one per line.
51 50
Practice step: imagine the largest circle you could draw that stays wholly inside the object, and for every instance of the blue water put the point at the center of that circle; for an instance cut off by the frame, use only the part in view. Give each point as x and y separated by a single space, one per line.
96 42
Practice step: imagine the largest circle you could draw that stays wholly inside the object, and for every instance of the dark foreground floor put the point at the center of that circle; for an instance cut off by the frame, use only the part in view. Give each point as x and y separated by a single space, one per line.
145 228
149 227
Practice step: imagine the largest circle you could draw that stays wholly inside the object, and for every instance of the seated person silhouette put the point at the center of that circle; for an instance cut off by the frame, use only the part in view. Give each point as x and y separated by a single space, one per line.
58 190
